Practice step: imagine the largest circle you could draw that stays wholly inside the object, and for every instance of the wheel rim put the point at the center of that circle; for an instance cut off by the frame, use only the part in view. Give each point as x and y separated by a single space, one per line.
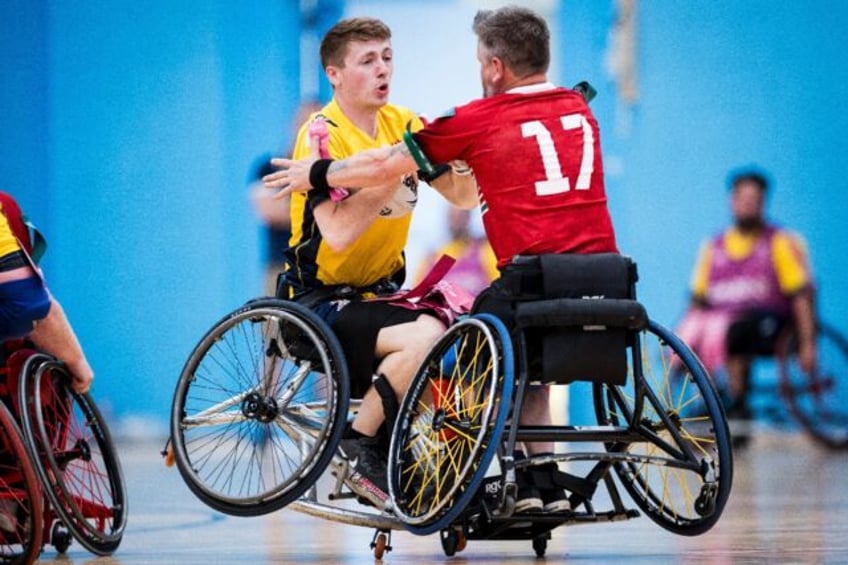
76 459
681 420
450 422
251 417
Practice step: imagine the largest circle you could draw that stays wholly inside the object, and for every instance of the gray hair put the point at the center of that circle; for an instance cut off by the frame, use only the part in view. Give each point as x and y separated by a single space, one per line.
517 36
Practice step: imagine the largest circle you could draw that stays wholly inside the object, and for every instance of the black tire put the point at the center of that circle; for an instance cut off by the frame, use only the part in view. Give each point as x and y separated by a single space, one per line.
819 401
73 454
682 467
449 423
259 408
21 510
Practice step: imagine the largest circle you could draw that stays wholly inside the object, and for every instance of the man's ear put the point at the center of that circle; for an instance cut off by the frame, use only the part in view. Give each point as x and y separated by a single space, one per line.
499 70
333 74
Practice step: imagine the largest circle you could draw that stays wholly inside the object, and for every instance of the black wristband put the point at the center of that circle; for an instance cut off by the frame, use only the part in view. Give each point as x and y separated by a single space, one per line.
318 175
438 171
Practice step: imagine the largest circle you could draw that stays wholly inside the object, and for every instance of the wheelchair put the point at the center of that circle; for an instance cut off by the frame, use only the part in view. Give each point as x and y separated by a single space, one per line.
258 412
263 400
83 494
660 428
782 395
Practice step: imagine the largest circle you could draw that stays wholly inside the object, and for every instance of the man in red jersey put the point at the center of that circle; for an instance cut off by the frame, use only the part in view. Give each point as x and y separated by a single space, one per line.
534 149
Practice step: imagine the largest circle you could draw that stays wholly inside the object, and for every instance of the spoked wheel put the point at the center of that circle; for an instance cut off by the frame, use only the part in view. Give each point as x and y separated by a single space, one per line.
73 455
819 400
679 471
21 512
259 408
449 423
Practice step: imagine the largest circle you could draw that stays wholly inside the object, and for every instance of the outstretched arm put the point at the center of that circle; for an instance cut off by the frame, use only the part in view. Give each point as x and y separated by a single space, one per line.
372 167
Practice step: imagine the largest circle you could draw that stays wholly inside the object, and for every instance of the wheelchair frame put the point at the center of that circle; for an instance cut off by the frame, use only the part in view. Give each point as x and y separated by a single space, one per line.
263 360
663 434
71 451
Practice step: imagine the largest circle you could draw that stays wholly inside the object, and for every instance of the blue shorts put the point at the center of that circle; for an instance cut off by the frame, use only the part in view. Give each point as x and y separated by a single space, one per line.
22 302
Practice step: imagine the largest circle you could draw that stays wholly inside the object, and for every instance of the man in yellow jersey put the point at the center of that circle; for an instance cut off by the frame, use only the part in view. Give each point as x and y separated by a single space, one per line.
27 309
345 250
749 281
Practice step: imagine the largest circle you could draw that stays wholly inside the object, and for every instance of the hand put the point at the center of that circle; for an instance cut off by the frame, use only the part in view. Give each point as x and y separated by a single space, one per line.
292 176
81 375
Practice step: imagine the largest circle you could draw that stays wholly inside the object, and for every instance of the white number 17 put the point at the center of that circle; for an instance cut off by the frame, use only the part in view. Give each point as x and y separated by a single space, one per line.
555 182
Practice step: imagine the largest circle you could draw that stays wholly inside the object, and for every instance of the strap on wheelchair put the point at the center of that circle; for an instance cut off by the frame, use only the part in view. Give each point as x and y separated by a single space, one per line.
391 407
581 312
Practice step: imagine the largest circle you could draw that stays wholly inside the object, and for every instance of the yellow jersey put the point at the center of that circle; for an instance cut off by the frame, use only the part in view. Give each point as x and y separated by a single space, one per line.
789 259
8 242
378 253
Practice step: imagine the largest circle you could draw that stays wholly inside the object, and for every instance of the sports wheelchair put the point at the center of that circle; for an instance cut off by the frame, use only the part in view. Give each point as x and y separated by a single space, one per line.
79 490
781 394
262 403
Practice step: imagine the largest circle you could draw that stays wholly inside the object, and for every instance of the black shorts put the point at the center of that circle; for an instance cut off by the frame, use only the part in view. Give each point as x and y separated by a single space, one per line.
356 325
755 333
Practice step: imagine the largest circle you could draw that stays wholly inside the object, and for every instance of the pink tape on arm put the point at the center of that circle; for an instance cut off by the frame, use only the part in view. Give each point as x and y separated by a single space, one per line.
318 128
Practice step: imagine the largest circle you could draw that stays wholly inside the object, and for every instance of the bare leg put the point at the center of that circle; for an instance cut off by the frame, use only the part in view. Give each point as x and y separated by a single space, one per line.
537 412
402 348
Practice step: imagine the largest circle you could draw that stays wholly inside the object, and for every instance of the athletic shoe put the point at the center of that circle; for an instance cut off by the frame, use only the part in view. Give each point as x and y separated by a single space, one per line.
554 498
528 498
367 475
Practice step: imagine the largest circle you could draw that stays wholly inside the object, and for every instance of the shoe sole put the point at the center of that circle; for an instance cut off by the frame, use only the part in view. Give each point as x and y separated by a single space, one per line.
528 505
557 506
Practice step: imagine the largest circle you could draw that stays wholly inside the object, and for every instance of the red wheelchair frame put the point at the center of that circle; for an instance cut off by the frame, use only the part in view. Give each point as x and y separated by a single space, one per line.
82 494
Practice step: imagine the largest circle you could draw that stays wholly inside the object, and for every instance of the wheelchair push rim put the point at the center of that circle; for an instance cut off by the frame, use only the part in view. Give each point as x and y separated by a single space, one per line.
449 424
74 455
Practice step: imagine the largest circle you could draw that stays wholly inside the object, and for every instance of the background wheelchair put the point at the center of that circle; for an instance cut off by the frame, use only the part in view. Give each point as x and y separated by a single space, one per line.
660 428
783 395
258 413
69 446
262 403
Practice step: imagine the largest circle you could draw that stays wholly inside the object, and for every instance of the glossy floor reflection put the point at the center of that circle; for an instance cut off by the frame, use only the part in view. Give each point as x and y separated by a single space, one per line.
789 504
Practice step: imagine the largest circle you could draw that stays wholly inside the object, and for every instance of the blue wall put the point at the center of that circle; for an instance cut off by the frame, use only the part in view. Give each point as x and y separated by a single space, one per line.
127 130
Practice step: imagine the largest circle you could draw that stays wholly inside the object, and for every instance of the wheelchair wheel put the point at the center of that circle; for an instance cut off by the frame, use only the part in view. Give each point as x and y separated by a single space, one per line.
73 455
449 424
678 462
259 408
21 512
820 400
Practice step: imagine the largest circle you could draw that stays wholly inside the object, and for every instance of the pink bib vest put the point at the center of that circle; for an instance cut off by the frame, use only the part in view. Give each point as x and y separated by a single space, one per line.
748 283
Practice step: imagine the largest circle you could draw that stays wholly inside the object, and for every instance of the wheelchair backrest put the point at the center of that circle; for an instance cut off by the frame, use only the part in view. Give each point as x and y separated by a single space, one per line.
580 326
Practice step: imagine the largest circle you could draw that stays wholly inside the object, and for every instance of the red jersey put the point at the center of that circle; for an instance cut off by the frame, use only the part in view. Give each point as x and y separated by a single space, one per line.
536 155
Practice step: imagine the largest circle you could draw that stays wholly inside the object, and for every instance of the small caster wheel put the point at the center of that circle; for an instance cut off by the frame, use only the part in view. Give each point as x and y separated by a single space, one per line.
540 545
381 543
705 502
453 541
60 538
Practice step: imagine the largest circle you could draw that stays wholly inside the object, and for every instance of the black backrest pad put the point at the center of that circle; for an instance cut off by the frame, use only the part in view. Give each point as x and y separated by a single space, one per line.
583 319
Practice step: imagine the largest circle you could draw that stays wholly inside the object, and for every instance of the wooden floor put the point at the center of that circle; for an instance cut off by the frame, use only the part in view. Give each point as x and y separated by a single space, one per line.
789 504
